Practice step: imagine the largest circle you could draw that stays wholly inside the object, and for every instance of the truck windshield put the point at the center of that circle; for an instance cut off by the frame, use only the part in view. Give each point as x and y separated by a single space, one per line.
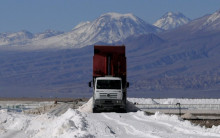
108 84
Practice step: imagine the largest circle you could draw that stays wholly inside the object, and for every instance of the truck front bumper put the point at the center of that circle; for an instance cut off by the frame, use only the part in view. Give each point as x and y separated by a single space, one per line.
109 104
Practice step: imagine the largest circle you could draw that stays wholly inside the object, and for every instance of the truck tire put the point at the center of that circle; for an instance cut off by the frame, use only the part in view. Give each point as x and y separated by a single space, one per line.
123 111
94 110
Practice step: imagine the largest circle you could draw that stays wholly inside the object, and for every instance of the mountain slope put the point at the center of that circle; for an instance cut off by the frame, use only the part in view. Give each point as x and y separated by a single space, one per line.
182 62
202 27
187 61
171 20
47 34
212 22
24 37
21 37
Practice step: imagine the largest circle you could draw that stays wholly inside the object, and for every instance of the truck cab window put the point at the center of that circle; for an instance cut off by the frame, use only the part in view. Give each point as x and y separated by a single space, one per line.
108 84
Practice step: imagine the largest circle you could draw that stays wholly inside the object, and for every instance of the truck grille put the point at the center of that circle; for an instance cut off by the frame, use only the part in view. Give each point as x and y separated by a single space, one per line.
108 95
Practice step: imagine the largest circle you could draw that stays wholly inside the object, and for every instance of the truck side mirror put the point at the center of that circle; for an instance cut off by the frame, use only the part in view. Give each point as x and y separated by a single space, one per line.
90 84
127 84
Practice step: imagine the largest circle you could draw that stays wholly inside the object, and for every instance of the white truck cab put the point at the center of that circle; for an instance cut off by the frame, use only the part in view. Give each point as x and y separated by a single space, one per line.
108 93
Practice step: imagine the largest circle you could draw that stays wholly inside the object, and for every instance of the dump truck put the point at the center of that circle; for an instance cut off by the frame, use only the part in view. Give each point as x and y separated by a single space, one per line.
109 79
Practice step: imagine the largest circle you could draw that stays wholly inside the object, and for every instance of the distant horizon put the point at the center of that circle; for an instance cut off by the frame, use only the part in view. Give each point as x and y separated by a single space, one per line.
39 16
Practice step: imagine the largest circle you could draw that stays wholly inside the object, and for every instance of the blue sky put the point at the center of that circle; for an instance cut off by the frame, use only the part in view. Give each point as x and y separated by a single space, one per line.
62 15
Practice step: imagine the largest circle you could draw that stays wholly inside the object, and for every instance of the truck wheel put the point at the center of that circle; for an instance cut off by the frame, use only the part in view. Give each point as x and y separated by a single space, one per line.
94 110
121 110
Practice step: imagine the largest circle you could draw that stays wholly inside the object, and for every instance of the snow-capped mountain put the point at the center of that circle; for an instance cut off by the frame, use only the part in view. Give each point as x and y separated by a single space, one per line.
21 37
46 34
203 26
171 20
108 28
212 22
24 37
180 62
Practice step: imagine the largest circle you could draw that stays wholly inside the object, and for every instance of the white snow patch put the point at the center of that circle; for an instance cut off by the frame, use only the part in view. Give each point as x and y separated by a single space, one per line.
188 116
81 24
71 124
117 16
171 20
83 123
87 107
213 17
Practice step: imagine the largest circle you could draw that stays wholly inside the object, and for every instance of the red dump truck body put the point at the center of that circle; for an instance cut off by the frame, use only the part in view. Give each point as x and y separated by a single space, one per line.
109 61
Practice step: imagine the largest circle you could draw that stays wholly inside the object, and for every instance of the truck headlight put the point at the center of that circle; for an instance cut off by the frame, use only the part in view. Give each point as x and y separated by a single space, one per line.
118 101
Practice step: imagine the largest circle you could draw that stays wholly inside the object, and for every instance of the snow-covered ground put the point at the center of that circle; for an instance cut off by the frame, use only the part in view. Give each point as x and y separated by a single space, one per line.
22 105
82 123
173 101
